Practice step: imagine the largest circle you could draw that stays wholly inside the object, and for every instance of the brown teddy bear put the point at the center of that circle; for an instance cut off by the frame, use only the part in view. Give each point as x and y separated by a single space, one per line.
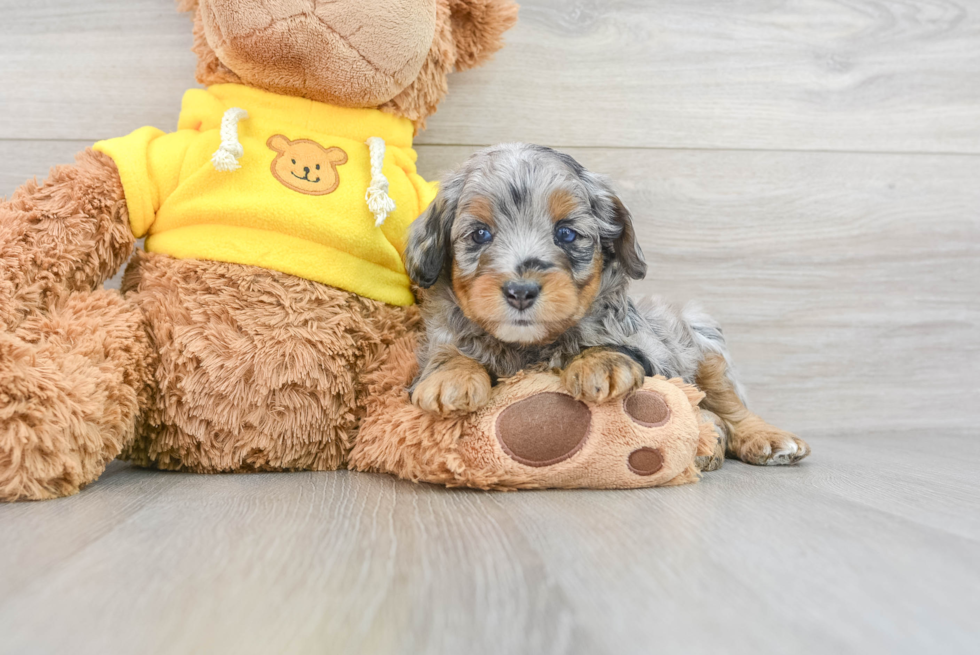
242 335
270 312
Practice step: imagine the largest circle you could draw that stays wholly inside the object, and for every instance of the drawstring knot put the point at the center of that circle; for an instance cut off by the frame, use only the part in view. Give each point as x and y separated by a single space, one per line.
378 200
225 159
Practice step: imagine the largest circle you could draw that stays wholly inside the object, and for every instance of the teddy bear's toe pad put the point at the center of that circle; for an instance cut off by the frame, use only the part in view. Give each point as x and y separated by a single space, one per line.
648 408
543 429
645 461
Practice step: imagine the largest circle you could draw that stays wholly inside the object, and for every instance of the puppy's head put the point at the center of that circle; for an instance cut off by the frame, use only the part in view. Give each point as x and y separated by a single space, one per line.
524 235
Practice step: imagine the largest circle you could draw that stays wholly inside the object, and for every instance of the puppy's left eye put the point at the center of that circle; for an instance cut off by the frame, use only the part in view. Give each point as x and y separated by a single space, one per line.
566 234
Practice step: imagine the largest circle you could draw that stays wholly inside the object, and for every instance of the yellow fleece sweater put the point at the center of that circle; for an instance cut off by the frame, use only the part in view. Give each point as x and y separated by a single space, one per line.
297 202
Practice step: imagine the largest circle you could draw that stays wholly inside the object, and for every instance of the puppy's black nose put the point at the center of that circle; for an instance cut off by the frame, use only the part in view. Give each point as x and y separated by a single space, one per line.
521 294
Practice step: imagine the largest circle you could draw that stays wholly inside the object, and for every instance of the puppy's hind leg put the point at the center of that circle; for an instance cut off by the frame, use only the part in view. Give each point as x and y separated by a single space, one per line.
751 439
714 461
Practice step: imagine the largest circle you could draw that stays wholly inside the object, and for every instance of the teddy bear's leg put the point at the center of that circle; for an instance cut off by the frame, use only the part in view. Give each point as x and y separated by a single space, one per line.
68 233
532 434
751 439
258 370
72 382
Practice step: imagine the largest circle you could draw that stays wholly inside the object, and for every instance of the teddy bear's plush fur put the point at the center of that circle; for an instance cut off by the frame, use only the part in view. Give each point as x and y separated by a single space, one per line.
200 365
533 435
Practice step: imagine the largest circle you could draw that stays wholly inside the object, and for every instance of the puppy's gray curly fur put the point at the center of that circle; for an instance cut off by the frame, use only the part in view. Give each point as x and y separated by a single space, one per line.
518 180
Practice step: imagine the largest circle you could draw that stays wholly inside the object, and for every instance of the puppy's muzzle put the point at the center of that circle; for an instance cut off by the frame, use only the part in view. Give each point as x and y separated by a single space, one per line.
521 294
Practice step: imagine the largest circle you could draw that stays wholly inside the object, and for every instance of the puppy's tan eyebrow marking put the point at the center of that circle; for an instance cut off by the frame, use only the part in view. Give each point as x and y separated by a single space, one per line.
561 203
481 208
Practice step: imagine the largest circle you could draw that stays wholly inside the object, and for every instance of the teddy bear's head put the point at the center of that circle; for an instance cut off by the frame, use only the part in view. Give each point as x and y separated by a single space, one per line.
392 54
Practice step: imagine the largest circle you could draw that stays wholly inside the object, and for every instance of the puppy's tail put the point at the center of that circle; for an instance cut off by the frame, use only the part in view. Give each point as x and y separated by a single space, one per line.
710 342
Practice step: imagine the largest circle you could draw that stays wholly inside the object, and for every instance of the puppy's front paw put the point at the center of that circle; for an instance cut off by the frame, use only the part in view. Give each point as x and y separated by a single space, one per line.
457 387
770 446
600 374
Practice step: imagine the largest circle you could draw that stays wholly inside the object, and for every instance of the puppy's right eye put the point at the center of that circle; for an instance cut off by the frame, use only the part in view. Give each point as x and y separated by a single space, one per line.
482 236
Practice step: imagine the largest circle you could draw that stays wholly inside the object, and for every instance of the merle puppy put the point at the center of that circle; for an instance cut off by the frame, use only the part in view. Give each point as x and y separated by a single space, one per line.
524 260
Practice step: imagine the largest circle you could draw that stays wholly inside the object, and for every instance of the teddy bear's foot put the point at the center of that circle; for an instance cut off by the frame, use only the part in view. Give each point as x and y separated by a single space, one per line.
71 383
535 435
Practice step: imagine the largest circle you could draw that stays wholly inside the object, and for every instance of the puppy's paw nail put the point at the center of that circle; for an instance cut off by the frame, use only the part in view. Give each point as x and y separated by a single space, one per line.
599 375
452 391
773 447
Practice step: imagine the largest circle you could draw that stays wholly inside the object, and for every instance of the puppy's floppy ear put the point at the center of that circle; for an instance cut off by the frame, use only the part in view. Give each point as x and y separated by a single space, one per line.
617 231
478 27
625 246
430 235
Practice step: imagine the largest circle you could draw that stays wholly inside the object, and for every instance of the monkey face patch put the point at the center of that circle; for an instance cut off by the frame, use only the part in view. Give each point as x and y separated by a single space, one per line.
306 166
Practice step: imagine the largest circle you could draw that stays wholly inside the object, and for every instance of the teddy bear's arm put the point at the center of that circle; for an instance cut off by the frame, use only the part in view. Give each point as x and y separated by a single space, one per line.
68 233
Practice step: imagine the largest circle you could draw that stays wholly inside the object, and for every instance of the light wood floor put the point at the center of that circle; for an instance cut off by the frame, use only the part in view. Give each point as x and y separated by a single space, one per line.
808 170
874 547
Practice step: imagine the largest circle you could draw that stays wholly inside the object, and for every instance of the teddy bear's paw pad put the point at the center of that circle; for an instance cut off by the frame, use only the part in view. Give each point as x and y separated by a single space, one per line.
645 461
544 429
648 408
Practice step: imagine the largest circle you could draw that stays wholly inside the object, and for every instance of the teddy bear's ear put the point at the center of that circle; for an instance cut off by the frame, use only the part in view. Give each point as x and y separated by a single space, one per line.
478 27
186 5
278 143
337 156
467 33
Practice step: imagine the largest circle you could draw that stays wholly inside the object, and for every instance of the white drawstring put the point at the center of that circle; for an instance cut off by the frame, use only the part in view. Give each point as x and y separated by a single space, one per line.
378 200
226 158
